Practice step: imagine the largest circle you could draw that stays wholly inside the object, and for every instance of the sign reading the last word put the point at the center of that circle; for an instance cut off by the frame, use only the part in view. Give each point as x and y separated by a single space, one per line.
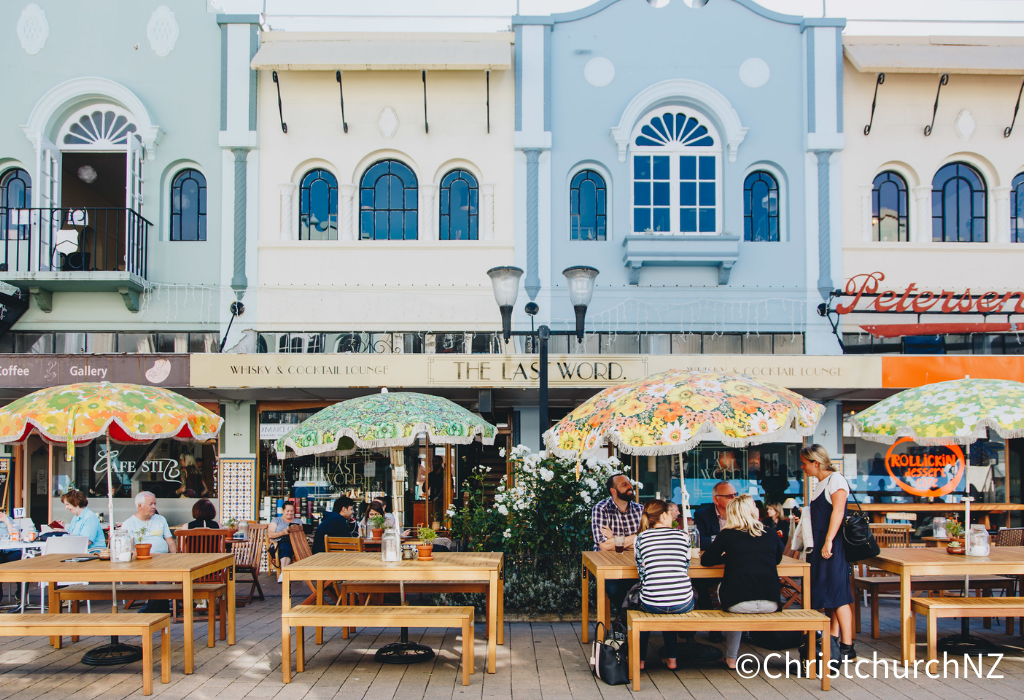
511 371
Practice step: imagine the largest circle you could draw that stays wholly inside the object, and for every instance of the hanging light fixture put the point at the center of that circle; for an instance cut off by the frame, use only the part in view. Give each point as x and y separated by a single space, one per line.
581 290
505 281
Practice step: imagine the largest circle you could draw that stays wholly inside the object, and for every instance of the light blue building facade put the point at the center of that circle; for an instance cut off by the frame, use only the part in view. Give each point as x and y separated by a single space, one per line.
692 155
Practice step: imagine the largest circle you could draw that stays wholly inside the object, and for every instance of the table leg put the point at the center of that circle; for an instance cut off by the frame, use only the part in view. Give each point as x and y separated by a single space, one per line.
319 630
286 650
286 588
907 627
805 591
602 602
492 623
300 650
147 663
501 605
51 592
586 604
165 653
231 605
186 603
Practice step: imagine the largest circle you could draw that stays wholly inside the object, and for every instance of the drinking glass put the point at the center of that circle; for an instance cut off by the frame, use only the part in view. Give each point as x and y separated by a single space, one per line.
620 543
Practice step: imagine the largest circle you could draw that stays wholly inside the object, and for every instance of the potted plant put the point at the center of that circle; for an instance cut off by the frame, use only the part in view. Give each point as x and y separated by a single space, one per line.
426 548
955 533
377 526
231 524
142 548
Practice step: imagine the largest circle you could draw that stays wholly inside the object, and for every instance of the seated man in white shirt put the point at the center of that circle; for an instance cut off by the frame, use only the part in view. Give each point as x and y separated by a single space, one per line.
148 527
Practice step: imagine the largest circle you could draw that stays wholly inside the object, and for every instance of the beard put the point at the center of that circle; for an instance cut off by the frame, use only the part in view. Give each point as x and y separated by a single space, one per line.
628 496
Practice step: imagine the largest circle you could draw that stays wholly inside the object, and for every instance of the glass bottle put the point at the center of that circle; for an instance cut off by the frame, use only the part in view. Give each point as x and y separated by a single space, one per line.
120 547
390 545
980 543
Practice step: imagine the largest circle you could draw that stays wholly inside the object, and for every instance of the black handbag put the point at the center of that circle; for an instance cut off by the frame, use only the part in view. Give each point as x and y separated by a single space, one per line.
609 659
858 541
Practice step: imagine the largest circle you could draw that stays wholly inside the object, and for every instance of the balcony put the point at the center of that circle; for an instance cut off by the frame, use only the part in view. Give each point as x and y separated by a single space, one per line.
74 249
687 250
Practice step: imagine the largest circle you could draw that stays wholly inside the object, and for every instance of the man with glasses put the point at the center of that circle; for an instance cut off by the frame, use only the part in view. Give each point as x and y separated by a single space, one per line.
709 521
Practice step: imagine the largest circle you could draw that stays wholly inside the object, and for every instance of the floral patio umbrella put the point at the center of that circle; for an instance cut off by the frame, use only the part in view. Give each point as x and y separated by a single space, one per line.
385 420
954 412
671 412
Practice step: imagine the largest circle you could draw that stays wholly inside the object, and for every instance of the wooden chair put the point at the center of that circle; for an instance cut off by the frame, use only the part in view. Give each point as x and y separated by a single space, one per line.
248 556
343 544
204 541
1009 537
300 551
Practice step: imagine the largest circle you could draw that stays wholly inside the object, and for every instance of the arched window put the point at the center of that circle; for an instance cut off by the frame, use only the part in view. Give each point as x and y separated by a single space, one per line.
958 204
1017 210
676 174
588 206
760 207
388 202
15 193
318 206
460 207
889 208
188 206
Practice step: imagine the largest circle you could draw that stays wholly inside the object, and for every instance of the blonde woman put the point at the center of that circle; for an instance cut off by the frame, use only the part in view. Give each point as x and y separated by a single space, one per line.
830 572
750 552
663 562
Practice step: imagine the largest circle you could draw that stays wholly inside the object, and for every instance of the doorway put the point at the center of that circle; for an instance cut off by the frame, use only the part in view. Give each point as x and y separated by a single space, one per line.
94 184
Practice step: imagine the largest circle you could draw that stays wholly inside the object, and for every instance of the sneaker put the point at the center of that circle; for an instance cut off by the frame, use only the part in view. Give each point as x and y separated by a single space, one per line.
279 578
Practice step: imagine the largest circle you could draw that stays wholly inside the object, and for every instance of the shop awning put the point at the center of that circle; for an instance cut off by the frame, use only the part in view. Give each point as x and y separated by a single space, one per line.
977 55
361 51
899 330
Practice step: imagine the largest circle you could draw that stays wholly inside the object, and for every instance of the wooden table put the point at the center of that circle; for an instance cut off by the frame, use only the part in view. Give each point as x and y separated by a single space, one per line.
982 510
934 561
162 568
935 541
605 566
446 566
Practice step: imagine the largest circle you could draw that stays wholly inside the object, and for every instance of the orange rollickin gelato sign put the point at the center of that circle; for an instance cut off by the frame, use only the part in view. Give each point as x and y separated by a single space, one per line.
926 475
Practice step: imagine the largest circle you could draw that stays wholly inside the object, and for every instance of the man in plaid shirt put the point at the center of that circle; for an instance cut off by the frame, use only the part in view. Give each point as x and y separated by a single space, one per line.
619 514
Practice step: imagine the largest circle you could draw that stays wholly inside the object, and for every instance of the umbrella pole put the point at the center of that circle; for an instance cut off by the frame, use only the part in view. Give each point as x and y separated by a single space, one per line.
110 511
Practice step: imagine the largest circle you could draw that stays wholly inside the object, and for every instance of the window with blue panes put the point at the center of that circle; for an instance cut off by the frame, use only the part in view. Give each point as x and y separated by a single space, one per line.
15 194
676 174
889 208
958 204
760 207
588 207
460 197
1017 209
318 206
388 202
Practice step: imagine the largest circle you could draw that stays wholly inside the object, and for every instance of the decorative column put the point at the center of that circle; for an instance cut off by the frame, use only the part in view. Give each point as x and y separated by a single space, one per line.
487 211
1001 230
921 220
287 192
866 231
348 213
824 225
532 223
428 213
238 280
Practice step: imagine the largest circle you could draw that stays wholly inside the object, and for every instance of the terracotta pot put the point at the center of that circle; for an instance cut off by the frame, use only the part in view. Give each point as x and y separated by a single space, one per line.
376 532
425 551
955 546
142 550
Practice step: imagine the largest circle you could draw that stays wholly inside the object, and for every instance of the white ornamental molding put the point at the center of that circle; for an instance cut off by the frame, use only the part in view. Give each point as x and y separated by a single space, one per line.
162 31
387 122
33 29
965 125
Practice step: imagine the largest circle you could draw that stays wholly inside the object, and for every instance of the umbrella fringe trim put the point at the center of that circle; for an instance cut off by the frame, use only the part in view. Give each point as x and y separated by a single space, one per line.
979 432
38 429
419 429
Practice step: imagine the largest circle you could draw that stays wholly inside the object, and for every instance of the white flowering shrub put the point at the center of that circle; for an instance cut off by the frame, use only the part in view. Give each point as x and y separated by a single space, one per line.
541 520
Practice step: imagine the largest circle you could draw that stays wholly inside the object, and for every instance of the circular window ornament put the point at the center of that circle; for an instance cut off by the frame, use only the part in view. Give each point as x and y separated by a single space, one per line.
657 3
754 72
599 71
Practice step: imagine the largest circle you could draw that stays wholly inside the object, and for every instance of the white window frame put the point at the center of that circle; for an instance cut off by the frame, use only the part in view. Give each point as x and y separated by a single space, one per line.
103 144
674 151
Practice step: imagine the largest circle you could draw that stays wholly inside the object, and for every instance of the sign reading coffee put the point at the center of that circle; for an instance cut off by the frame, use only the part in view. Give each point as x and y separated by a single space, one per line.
929 472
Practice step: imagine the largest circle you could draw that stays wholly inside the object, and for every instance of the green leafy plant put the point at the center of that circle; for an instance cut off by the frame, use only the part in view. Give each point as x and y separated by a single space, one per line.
377 521
231 522
954 529
141 534
427 535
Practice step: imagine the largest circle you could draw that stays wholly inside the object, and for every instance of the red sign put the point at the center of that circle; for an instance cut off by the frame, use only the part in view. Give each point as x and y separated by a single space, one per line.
926 472
913 300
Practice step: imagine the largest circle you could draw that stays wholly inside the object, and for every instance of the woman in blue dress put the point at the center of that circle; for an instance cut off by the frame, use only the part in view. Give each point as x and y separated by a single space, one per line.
830 572
85 523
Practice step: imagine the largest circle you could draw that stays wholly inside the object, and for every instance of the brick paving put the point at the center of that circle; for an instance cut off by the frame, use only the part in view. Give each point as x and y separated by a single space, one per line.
539 661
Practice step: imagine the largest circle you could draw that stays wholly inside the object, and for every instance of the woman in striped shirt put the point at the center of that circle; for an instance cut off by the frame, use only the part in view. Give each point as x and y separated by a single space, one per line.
663 561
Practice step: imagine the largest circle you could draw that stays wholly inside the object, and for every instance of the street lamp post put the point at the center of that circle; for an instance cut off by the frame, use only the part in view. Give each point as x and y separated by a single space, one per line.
505 281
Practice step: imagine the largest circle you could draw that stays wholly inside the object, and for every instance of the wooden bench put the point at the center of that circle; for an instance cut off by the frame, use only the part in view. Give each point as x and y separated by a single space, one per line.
372 616
370 588
934 608
809 621
144 625
875 585
215 593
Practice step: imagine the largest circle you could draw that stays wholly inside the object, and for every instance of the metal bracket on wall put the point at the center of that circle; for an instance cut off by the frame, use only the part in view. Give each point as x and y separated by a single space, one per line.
944 80
874 100
1009 130
280 109
341 92
426 124
488 73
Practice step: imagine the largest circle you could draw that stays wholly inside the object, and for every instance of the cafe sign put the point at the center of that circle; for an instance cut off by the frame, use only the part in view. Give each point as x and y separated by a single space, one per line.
926 475
169 468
